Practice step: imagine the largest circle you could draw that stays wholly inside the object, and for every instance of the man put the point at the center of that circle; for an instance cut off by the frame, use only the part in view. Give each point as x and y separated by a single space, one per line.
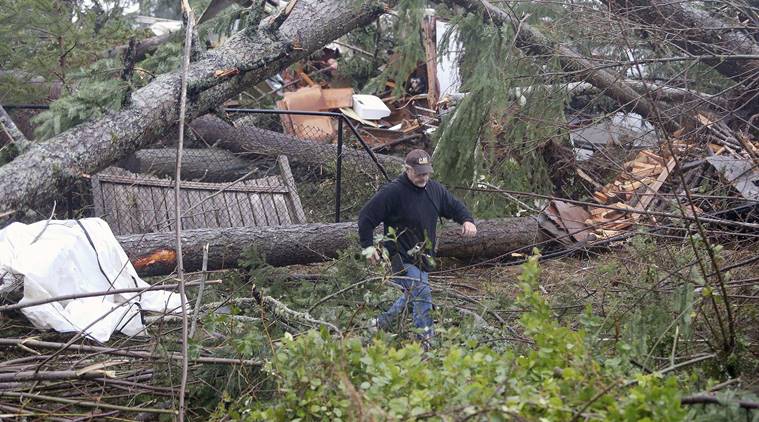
411 205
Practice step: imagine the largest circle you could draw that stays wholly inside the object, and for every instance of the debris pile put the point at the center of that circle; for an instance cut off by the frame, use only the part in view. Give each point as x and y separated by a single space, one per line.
624 202
385 120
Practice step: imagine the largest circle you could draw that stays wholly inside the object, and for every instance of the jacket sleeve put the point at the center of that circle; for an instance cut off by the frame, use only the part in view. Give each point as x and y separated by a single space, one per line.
372 215
454 209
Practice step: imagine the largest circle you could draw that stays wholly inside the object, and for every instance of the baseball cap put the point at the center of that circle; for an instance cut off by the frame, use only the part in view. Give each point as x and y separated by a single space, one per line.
420 161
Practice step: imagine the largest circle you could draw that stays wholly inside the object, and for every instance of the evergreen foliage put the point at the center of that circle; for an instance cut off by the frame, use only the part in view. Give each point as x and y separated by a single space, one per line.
50 39
98 91
495 133
408 51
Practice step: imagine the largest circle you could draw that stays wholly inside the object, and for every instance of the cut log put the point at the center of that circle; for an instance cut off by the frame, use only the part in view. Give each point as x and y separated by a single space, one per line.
254 140
201 164
47 168
153 254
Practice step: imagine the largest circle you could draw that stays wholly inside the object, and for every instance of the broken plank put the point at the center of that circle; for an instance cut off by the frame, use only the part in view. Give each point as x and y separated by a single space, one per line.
653 189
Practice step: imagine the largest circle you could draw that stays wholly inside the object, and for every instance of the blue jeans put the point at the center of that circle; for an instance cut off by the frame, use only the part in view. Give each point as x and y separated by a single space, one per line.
416 288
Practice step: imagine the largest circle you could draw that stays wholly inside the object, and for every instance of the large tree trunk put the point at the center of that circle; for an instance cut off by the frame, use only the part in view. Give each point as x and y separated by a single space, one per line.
533 42
199 164
153 254
254 140
249 56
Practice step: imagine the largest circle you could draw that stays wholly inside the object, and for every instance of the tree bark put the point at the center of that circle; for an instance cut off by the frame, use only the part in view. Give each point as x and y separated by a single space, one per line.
697 32
200 164
532 42
254 140
142 48
303 244
12 132
248 57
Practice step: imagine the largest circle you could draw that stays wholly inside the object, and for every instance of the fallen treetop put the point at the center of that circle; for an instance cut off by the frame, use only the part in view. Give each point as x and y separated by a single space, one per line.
153 253
734 53
532 42
249 56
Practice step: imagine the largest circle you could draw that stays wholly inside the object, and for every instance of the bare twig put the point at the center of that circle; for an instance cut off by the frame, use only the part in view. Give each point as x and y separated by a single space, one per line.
707 399
280 309
189 21
6 308
86 403
47 223
199 299
121 352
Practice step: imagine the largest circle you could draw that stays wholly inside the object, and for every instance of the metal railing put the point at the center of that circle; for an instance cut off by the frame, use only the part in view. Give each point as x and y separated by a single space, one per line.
341 120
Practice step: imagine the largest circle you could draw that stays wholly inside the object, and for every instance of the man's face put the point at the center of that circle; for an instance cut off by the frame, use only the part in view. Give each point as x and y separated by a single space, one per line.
418 179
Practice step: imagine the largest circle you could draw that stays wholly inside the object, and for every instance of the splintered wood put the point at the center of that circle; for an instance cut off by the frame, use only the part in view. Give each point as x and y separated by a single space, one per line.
633 190
624 200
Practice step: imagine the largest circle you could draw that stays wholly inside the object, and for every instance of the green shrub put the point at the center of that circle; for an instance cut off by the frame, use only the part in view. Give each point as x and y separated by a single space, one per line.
319 377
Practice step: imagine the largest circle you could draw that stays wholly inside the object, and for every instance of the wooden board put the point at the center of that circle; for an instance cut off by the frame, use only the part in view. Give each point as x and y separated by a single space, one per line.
299 216
163 223
258 210
225 187
147 209
122 210
236 218
110 213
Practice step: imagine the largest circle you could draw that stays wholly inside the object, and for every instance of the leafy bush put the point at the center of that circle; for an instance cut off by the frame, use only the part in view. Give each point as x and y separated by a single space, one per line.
318 377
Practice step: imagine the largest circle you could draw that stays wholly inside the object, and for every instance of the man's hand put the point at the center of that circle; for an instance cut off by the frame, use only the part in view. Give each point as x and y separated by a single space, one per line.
374 257
468 229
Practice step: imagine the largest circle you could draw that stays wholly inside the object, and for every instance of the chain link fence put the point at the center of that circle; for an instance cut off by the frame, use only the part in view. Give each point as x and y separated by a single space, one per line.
259 168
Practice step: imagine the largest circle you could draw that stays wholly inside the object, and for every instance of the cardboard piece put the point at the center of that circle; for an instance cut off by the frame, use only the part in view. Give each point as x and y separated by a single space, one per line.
337 98
313 98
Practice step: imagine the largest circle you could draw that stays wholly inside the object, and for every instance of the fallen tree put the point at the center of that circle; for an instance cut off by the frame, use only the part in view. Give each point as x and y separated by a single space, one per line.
141 48
727 48
532 42
203 164
246 58
154 253
250 139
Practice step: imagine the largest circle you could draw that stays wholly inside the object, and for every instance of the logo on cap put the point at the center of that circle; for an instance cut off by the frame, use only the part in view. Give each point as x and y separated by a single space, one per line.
424 160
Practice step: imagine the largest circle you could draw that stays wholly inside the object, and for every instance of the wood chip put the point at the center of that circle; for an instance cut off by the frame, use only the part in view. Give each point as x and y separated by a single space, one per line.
653 156
600 197
704 120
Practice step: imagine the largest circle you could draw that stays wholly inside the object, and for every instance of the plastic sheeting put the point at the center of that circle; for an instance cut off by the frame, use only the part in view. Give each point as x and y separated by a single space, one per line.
68 257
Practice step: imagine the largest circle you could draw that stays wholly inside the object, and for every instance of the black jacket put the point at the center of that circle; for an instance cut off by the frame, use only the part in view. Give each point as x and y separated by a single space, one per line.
412 211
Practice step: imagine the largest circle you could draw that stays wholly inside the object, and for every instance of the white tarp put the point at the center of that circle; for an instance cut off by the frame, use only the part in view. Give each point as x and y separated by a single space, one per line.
59 259
448 61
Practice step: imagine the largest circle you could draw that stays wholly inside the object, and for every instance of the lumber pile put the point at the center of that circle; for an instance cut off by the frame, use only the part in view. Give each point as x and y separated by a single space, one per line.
632 190
622 202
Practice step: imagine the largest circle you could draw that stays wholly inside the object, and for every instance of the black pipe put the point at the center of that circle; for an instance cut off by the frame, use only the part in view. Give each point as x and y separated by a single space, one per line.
26 106
338 171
